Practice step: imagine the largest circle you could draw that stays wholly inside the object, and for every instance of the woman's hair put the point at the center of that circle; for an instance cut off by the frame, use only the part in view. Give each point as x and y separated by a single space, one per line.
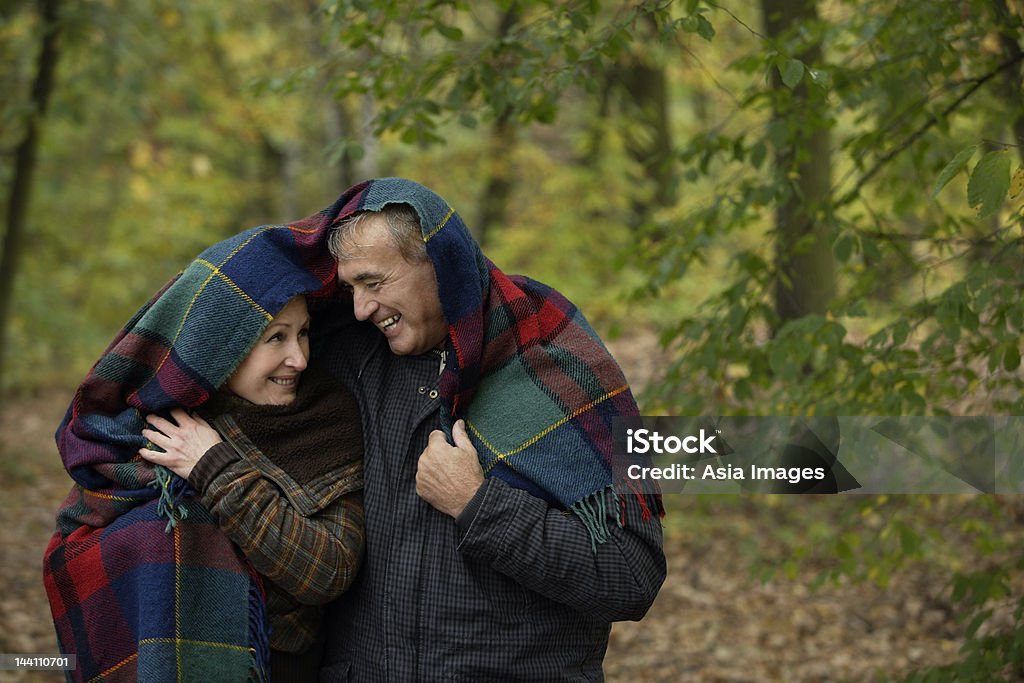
403 226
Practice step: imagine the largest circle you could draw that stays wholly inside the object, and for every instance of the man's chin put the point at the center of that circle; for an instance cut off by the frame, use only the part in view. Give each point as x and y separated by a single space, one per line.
398 348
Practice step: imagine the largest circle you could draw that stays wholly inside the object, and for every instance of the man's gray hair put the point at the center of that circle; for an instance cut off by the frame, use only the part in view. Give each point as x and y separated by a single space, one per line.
403 226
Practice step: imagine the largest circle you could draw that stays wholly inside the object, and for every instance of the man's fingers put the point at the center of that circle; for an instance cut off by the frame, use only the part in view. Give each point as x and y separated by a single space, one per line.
436 436
461 437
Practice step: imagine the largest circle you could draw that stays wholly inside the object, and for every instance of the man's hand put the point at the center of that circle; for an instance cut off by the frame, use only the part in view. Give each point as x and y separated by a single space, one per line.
449 476
185 441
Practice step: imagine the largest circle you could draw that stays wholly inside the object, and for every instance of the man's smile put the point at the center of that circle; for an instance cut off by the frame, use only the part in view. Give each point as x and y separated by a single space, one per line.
390 322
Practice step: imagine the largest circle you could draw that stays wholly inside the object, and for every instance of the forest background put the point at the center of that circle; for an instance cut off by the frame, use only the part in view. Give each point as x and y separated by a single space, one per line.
784 207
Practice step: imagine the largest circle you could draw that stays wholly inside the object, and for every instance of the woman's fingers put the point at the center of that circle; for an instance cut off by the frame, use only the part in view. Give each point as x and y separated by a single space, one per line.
183 418
184 439
161 424
159 438
157 457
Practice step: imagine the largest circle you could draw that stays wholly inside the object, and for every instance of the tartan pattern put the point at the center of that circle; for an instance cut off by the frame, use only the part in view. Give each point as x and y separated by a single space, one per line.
309 548
134 603
134 597
518 342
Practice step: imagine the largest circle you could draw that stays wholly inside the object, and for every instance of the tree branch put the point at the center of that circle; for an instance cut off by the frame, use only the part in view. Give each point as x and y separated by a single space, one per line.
913 137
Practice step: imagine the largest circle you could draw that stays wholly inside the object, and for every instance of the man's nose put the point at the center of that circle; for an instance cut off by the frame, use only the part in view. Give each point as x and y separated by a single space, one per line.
363 305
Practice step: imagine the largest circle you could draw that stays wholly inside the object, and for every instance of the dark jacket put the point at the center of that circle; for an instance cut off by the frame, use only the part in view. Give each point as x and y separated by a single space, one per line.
512 590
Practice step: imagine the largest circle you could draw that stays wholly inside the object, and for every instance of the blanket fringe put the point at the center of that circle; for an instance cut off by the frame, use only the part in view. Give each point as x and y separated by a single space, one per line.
592 510
645 510
171 488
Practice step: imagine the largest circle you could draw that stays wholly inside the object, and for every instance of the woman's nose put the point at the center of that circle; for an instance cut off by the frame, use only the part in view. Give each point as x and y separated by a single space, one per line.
297 358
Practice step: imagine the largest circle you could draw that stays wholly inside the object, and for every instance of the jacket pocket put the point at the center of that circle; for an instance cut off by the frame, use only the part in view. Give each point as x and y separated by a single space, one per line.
507 598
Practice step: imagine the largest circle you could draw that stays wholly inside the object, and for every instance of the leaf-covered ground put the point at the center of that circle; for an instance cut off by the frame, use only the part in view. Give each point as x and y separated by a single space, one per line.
714 622
711 622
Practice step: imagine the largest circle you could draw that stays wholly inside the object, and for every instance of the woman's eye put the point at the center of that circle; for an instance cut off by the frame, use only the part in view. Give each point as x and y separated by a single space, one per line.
304 332
275 337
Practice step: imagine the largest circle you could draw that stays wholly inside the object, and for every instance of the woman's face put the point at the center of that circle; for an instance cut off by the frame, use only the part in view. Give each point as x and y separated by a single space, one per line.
269 375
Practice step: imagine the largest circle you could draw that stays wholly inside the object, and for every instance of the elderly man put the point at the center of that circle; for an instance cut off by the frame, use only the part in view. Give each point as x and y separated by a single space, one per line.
498 547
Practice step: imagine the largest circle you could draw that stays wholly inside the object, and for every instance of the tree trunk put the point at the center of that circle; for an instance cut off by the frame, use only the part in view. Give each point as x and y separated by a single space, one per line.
1014 91
492 206
648 136
598 129
805 265
25 163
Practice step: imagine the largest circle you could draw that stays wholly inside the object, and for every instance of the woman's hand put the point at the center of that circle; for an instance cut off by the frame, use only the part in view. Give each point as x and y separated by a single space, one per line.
184 441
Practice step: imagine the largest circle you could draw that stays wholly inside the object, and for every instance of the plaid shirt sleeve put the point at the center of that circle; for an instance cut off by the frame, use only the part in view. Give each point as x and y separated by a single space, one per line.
314 558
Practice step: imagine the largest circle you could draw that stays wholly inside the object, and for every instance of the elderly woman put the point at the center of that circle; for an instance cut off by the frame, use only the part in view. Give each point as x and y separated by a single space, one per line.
218 496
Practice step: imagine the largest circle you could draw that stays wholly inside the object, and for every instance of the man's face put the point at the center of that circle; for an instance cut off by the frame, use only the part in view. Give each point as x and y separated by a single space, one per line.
399 297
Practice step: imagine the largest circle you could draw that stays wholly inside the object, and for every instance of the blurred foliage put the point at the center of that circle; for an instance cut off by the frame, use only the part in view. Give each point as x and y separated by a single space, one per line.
176 124
928 320
155 147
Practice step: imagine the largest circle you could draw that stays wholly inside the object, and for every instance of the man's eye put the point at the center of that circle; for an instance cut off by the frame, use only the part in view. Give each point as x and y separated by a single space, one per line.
372 285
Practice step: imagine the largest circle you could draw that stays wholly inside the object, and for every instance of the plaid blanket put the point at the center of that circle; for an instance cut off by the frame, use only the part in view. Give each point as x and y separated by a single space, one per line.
536 386
142 584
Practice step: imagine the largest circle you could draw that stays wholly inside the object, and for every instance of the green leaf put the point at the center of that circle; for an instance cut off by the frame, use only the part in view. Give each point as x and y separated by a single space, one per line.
989 183
900 332
792 73
843 248
780 360
822 79
959 588
1011 357
952 168
742 390
758 153
452 33
976 622
704 28
578 20
1017 184
910 542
